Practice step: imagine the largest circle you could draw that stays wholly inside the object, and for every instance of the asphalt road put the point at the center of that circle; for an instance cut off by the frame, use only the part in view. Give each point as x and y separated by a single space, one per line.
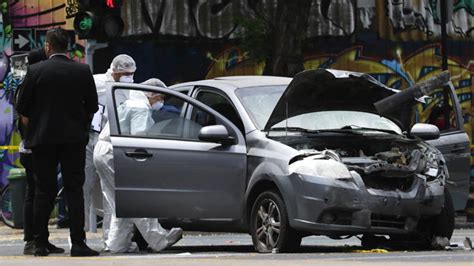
236 249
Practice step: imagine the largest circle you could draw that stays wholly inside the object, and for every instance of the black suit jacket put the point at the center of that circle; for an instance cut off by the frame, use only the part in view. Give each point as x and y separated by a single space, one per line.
59 97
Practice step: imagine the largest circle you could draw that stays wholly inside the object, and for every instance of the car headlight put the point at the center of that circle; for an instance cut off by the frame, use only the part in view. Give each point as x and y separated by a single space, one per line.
321 168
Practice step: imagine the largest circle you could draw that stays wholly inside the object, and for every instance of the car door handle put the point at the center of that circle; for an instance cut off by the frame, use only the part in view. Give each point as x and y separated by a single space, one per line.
139 154
458 149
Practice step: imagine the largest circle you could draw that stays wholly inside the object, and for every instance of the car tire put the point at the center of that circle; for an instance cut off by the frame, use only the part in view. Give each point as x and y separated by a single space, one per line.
269 225
443 224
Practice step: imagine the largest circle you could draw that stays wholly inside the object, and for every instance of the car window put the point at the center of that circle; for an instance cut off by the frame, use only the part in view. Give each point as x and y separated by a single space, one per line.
139 115
260 102
183 90
325 120
438 109
222 105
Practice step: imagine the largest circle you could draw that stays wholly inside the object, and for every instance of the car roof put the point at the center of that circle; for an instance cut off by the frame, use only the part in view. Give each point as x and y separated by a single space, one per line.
236 82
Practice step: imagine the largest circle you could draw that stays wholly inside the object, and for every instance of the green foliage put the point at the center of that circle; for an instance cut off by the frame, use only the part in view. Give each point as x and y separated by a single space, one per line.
255 37
4 7
8 31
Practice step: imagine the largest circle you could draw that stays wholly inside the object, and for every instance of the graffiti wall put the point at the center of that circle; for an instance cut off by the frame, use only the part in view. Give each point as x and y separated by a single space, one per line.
23 26
216 19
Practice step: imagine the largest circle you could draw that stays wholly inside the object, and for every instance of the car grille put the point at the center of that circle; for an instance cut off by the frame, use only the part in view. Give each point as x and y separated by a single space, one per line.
378 220
389 183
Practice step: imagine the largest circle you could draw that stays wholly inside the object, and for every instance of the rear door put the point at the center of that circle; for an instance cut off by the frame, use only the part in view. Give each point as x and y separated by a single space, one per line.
165 171
442 109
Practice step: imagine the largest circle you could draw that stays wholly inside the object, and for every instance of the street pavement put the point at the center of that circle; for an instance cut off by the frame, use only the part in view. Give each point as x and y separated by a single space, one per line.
236 249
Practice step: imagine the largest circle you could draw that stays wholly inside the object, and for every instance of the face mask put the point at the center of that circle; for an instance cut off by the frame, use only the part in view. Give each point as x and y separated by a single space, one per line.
126 79
157 106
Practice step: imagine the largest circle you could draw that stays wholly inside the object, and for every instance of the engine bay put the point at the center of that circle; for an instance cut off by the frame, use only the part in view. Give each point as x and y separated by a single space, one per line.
386 162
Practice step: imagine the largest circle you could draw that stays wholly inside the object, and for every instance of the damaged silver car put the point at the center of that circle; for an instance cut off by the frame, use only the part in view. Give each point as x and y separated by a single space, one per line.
325 153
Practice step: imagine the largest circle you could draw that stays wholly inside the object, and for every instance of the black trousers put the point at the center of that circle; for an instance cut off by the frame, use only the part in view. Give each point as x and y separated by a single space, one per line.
26 159
71 156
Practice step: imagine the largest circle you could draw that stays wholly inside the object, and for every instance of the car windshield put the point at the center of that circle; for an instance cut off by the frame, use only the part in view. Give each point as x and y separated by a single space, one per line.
326 120
260 102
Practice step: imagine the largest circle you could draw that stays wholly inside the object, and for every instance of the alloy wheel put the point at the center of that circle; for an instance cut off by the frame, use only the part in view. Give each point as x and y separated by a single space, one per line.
268 224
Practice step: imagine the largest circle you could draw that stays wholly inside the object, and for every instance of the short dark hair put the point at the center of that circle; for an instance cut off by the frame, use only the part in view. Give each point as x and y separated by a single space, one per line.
58 39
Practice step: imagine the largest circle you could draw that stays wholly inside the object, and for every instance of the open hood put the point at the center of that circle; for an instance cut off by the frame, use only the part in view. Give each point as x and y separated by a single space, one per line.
329 90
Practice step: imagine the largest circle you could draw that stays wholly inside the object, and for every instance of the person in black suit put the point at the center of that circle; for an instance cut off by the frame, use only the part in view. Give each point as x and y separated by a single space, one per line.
57 101
26 160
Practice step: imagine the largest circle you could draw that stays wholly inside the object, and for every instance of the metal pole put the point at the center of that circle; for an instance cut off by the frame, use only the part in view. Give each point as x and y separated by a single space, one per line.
91 46
444 36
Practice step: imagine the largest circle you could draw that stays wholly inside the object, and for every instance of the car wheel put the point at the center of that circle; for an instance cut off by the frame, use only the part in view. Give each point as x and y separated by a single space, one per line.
269 225
443 224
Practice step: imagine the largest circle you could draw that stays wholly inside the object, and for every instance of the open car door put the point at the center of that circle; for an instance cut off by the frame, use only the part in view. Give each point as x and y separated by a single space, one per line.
440 108
168 165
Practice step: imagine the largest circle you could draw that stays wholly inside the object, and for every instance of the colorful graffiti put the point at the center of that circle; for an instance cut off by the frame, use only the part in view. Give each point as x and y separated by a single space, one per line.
420 19
37 16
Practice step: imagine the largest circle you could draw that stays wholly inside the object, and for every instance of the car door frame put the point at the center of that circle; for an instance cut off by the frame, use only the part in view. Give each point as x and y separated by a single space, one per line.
458 183
198 88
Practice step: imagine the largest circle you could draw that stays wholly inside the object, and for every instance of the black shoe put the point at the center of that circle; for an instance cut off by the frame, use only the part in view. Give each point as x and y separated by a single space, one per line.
82 250
41 251
52 249
29 248
62 224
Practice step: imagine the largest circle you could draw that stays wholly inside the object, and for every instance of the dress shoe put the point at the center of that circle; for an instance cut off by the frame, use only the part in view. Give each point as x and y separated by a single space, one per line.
52 249
64 223
41 251
29 248
82 250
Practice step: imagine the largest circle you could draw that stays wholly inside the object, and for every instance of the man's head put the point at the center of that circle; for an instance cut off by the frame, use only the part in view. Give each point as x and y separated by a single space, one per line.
156 99
57 41
123 67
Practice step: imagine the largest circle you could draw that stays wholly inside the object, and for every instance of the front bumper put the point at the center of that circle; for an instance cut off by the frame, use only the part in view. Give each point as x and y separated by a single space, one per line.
340 207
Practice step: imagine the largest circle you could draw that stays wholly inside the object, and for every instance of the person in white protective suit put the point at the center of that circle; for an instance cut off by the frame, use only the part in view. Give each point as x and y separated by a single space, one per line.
121 69
135 118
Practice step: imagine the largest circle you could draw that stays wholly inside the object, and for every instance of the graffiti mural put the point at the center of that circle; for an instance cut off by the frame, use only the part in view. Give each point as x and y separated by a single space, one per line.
37 16
421 19
216 19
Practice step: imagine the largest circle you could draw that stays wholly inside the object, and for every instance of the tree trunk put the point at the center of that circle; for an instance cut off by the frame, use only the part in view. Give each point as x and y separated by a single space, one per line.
288 35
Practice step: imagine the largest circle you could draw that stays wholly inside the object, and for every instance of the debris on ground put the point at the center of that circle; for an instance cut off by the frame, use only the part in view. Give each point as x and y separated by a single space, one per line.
375 250
440 242
465 245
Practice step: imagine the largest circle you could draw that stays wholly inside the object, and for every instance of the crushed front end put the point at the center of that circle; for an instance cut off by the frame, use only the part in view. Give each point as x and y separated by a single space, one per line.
383 185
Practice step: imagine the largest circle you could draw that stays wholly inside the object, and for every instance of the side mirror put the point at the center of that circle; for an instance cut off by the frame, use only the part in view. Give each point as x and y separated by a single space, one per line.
215 133
425 131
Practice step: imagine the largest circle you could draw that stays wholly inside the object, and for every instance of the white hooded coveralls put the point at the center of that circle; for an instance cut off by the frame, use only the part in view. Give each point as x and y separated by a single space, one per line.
134 118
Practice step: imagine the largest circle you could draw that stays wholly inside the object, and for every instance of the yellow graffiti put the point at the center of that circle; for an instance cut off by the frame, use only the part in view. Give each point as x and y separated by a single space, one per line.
9 148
